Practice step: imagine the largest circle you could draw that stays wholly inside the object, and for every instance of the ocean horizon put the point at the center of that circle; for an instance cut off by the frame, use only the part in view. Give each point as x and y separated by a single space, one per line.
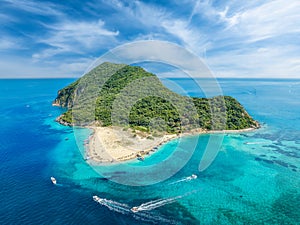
253 180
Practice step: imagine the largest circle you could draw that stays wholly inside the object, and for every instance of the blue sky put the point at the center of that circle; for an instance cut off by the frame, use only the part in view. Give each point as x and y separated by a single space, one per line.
257 38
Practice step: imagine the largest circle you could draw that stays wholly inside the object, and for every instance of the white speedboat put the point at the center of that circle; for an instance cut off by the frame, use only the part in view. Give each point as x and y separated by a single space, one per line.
53 180
134 209
192 177
97 199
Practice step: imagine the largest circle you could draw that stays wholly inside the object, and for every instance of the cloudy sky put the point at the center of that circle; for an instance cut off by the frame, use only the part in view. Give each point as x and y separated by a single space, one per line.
254 38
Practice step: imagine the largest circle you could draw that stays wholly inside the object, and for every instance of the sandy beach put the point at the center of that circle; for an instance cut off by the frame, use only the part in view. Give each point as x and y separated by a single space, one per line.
114 144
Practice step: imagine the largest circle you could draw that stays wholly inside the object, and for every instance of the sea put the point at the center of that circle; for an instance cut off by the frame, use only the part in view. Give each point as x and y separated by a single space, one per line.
254 178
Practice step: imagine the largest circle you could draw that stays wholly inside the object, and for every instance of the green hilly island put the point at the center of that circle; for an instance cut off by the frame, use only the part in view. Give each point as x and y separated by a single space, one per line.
114 94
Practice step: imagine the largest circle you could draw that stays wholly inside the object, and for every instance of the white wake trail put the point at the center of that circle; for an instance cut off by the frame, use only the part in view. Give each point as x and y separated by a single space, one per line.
157 203
143 216
181 180
115 206
151 202
256 143
189 178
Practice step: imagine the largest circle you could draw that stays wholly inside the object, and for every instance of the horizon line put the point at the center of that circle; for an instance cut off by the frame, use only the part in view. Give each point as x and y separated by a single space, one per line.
246 78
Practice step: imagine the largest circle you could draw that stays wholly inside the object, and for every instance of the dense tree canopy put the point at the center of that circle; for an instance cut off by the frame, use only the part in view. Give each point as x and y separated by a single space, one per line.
129 96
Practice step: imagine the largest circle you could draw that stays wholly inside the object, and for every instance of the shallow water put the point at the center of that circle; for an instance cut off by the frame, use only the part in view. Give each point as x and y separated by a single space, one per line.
253 180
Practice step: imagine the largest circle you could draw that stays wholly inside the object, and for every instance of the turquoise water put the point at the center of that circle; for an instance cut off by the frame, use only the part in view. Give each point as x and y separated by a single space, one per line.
255 178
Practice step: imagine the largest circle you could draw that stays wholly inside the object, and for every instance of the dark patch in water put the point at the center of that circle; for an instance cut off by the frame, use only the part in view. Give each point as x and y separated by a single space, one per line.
264 160
272 137
294 148
290 135
281 163
184 216
276 148
268 161
293 166
231 217
290 154
281 151
286 208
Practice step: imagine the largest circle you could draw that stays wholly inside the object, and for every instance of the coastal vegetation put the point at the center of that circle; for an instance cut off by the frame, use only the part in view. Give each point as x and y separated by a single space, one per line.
129 96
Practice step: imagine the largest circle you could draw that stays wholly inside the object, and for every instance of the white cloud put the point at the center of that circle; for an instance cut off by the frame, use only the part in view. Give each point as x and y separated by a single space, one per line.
6 19
40 8
6 44
162 21
19 67
76 67
10 43
150 15
241 24
212 14
76 37
270 19
256 39
158 52
262 62
190 37
253 38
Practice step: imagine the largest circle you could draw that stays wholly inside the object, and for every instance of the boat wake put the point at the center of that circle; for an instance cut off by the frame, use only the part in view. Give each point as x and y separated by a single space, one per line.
113 205
255 143
189 178
156 203
54 181
126 210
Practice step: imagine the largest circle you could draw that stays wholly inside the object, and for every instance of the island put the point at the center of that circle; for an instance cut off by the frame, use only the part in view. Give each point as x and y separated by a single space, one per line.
132 113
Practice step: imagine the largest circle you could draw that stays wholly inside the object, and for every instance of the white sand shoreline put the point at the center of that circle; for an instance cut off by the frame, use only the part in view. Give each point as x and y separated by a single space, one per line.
108 145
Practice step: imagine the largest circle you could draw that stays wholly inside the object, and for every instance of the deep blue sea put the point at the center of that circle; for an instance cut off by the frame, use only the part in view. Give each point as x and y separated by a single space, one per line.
255 178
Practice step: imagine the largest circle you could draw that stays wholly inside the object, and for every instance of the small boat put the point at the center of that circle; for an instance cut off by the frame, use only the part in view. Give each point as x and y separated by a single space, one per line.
192 177
134 209
53 180
97 199
141 158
